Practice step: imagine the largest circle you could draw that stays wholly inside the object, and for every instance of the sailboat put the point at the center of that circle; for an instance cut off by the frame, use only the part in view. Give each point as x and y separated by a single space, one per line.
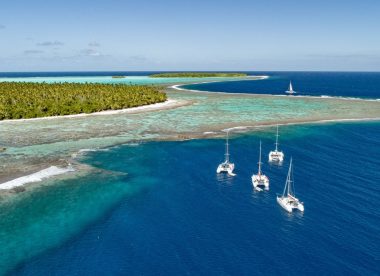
288 200
276 155
226 166
290 89
260 180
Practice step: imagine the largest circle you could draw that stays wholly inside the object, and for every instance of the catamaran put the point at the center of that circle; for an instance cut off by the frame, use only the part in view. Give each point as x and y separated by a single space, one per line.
276 155
226 166
288 200
290 89
260 180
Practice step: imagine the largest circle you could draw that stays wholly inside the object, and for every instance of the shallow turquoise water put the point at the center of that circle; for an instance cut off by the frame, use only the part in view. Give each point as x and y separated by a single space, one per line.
44 218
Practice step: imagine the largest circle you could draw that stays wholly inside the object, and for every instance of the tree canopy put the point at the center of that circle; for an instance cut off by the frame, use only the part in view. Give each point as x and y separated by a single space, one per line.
20 100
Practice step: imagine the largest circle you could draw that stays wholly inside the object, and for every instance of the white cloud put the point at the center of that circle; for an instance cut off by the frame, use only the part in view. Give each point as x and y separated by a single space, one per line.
94 44
90 52
32 52
50 43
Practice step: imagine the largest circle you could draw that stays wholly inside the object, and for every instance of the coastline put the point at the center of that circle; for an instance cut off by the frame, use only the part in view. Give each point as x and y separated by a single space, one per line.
36 177
35 167
168 104
177 86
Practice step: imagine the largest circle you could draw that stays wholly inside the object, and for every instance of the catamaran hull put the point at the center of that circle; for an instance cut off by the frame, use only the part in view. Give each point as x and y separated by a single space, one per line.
276 156
223 168
260 181
284 203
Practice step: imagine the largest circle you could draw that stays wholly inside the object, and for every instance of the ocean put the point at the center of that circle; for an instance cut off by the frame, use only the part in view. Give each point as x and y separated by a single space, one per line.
336 84
183 218
159 208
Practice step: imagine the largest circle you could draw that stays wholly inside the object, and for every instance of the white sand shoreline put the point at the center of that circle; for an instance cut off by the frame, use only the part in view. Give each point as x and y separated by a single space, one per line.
36 177
169 103
178 86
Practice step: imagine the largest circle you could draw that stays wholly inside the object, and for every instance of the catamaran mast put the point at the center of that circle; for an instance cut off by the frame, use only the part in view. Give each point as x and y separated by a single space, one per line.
259 173
288 180
227 155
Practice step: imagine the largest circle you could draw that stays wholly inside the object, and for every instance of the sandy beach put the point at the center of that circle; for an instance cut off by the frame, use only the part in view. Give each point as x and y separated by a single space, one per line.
35 177
169 103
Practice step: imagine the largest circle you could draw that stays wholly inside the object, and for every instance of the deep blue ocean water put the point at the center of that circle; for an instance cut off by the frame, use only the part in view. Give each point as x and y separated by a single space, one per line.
337 84
190 221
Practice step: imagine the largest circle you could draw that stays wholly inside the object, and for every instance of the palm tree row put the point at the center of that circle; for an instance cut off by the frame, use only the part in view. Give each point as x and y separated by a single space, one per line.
20 100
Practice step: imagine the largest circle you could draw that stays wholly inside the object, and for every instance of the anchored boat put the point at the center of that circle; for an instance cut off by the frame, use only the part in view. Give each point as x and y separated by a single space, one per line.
288 200
290 89
260 180
226 166
276 155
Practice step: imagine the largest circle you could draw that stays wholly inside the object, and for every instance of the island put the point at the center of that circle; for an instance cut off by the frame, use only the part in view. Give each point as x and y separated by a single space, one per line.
198 75
118 77
24 100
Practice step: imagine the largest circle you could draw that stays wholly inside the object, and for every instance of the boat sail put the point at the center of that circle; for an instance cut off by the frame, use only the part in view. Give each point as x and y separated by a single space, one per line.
260 180
290 89
226 166
276 155
288 200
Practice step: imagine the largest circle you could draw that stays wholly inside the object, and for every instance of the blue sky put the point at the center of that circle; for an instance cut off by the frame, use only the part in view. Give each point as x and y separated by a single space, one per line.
189 35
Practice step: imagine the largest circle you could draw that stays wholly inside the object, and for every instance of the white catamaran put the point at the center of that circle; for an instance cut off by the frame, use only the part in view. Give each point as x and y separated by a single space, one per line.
260 180
290 89
288 200
226 166
276 155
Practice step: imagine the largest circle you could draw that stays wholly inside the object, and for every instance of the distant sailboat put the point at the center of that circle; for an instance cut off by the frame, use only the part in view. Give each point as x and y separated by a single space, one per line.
226 166
288 200
276 155
260 180
290 89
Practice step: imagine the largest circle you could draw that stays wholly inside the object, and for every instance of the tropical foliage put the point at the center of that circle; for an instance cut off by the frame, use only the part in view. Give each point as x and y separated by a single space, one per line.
30 100
197 75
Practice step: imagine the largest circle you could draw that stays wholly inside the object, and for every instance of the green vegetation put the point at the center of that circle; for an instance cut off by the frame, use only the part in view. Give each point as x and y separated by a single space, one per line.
118 77
197 75
30 100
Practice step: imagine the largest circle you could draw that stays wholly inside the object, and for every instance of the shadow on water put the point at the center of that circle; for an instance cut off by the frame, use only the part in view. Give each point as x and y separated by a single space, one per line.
224 179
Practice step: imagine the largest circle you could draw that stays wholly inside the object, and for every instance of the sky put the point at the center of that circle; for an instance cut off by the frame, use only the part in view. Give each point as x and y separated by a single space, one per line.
141 35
